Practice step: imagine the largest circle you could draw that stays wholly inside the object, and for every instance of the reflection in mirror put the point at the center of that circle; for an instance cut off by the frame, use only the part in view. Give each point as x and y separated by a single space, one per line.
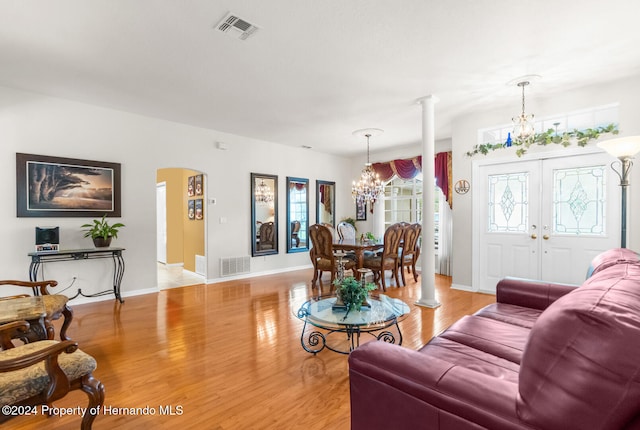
326 203
297 214
264 214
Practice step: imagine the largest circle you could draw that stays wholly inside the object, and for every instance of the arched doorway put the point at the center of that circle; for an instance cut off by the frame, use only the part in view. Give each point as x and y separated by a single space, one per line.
181 227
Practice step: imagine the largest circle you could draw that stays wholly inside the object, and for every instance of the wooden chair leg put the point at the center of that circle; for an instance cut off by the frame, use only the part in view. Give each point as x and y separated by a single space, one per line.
413 270
404 282
95 392
384 285
68 317
395 275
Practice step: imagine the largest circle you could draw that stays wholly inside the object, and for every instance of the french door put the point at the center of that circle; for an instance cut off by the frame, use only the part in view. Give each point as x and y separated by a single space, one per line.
544 219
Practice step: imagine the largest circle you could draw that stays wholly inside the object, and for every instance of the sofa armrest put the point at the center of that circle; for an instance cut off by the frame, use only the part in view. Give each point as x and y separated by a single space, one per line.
530 293
395 387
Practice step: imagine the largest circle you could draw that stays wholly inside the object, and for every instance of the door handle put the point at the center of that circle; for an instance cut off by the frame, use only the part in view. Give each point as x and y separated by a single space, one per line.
545 237
534 236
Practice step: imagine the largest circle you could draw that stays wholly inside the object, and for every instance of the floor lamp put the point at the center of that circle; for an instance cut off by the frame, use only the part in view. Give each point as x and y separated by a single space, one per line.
624 149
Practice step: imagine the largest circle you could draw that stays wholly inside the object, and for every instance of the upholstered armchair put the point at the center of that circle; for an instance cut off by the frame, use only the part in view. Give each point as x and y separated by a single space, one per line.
42 372
55 305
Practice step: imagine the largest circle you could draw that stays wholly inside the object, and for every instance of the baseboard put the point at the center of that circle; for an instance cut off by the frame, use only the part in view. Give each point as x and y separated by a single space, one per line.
463 288
254 274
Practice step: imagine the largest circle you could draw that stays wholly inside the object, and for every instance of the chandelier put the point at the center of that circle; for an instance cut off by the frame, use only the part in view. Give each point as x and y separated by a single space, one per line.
369 186
523 126
264 194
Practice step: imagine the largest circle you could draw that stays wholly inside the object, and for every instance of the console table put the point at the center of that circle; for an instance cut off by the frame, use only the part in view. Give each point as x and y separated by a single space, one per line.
37 258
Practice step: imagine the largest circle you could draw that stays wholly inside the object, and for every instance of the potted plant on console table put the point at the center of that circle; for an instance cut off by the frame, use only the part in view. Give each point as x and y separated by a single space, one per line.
101 232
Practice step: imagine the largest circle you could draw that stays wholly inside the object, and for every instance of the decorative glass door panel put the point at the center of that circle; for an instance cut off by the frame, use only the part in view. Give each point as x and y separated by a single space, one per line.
579 200
508 202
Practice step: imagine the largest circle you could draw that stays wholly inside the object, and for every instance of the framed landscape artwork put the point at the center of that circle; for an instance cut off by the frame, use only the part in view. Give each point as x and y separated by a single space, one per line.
66 187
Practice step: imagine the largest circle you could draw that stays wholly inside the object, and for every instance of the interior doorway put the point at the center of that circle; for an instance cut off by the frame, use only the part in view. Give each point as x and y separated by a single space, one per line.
181 227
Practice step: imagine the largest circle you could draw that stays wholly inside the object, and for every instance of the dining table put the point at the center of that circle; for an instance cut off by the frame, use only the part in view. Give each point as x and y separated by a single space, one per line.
358 247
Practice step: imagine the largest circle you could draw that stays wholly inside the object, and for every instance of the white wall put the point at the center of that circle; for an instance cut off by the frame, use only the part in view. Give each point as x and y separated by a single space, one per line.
36 124
464 137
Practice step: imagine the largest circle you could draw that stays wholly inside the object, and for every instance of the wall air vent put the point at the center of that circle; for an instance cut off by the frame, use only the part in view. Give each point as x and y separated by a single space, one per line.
232 24
235 265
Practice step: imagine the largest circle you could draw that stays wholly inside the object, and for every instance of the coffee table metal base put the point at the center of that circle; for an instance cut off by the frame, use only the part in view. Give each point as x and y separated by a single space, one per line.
315 341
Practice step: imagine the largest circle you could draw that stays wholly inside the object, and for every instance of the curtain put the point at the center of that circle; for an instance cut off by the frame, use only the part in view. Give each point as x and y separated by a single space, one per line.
445 239
410 167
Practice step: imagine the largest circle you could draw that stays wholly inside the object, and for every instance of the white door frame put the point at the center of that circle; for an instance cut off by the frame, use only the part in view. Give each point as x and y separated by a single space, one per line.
478 197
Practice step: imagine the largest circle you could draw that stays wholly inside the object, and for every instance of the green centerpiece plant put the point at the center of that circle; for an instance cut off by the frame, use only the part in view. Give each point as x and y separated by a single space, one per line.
351 293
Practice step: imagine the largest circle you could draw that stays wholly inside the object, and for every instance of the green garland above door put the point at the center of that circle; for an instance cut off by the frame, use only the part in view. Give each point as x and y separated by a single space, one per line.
581 137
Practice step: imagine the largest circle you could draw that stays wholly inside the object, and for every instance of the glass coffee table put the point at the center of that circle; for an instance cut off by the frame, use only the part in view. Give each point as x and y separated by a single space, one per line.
341 330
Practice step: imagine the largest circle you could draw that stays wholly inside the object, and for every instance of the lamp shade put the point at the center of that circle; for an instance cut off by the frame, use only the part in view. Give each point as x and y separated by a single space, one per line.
622 147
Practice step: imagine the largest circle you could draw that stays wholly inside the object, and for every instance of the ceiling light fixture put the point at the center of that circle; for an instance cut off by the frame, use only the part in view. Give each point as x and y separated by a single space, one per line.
523 125
369 187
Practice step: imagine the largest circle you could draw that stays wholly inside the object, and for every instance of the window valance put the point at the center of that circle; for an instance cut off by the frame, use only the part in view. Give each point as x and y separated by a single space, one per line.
408 168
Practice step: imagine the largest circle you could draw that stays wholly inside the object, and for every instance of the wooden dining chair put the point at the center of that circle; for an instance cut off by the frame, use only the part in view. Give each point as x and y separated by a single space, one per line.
410 251
321 254
267 236
389 258
346 231
55 305
42 372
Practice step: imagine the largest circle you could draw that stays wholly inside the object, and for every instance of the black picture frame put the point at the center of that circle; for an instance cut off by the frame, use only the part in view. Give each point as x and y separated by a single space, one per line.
361 211
199 186
191 209
191 186
66 187
199 209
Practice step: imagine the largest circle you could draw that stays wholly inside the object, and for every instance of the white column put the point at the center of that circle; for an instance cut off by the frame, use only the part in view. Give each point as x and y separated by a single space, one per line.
427 255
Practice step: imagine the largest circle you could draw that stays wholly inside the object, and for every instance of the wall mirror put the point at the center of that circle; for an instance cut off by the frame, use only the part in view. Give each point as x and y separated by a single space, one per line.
326 203
297 214
264 214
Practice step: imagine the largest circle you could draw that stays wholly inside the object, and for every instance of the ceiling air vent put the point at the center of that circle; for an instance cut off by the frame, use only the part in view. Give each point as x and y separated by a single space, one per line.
232 24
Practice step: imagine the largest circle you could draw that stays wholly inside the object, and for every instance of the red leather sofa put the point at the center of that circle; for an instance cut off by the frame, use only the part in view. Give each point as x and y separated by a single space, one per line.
544 356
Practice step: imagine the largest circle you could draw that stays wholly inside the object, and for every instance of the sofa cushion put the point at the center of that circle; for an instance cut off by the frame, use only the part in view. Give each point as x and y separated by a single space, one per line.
471 358
494 337
610 258
581 364
512 314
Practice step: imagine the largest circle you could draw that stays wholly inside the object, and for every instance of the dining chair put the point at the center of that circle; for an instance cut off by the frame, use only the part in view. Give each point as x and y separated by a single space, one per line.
321 254
56 305
295 229
389 258
267 236
410 251
346 231
42 372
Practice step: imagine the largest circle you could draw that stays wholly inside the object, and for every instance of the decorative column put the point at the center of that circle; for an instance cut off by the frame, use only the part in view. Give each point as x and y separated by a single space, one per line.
427 254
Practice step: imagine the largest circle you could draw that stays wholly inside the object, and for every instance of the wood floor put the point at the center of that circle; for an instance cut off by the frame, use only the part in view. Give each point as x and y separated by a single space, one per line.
227 356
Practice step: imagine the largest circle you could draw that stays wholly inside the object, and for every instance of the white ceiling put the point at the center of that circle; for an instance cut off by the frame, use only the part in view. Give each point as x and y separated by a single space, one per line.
317 69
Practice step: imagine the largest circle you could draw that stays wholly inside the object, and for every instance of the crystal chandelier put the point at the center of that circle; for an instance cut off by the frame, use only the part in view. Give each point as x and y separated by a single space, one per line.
369 187
523 126
264 194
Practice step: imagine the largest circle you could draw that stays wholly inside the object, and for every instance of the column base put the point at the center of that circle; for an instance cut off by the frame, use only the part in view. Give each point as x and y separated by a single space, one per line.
428 303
